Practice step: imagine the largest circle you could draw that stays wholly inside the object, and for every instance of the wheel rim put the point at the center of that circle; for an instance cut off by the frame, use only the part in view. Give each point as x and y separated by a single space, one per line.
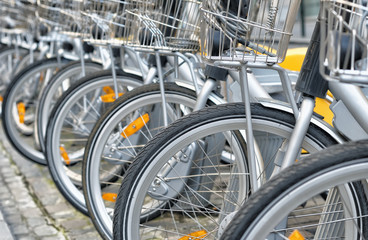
66 176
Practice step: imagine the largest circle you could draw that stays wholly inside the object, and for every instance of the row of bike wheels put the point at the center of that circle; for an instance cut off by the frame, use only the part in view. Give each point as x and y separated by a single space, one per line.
188 180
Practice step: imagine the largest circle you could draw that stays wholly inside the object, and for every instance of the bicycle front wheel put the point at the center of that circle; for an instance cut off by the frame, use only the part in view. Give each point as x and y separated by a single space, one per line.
71 122
114 143
20 103
323 197
59 83
198 167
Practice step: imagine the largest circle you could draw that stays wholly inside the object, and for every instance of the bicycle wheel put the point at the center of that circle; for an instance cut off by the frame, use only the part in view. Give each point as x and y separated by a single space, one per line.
113 144
70 124
292 204
198 167
59 83
19 106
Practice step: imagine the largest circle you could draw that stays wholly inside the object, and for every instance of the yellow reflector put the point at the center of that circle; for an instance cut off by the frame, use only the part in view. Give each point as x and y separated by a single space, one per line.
201 234
64 155
296 235
135 126
110 97
21 111
108 89
109 197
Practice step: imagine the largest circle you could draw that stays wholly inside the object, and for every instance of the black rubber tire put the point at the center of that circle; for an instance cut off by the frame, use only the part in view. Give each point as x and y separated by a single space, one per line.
32 153
315 165
190 123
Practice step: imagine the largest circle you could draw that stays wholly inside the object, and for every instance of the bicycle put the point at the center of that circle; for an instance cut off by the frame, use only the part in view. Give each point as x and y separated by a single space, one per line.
66 175
338 172
152 177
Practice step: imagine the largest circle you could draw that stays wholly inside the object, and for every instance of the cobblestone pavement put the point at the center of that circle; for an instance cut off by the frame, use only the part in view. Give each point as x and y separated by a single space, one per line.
31 206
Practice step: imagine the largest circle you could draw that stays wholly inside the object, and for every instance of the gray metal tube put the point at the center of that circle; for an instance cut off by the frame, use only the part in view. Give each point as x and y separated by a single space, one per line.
354 99
255 88
203 95
299 132
249 130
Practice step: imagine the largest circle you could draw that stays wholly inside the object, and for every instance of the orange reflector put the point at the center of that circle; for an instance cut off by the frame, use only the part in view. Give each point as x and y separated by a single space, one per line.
1 98
296 235
111 197
109 97
108 89
201 234
42 76
64 155
135 126
21 111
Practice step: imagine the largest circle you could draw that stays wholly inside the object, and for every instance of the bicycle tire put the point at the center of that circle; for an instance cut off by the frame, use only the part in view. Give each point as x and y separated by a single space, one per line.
340 163
25 88
145 99
59 129
270 126
58 84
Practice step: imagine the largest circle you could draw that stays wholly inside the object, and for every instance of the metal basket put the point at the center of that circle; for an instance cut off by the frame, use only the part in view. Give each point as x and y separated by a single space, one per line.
73 23
344 41
16 16
246 30
49 12
104 21
146 25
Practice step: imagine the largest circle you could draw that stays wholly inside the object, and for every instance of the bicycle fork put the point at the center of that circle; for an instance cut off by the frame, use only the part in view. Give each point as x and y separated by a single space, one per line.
310 84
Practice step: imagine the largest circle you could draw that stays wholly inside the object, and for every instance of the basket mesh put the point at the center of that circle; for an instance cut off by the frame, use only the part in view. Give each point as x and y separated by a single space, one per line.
247 30
344 41
147 25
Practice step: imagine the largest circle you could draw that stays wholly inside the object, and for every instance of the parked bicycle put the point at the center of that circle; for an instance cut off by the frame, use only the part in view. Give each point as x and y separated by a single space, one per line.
191 183
325 196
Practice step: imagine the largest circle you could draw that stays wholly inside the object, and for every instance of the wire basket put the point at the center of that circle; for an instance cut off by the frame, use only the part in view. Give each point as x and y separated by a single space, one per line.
73 23
104 21
48 12
16 16
246 30
344 41
146 25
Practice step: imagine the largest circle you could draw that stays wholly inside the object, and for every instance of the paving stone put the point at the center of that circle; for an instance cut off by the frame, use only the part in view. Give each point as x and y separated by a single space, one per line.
43 231
33 207
64 214
50 200
74 224
86 237
27 237
36 221
26 203
4 189
9 210
13 219
7 203
59 236
31 212
4 196
20 229
57 208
